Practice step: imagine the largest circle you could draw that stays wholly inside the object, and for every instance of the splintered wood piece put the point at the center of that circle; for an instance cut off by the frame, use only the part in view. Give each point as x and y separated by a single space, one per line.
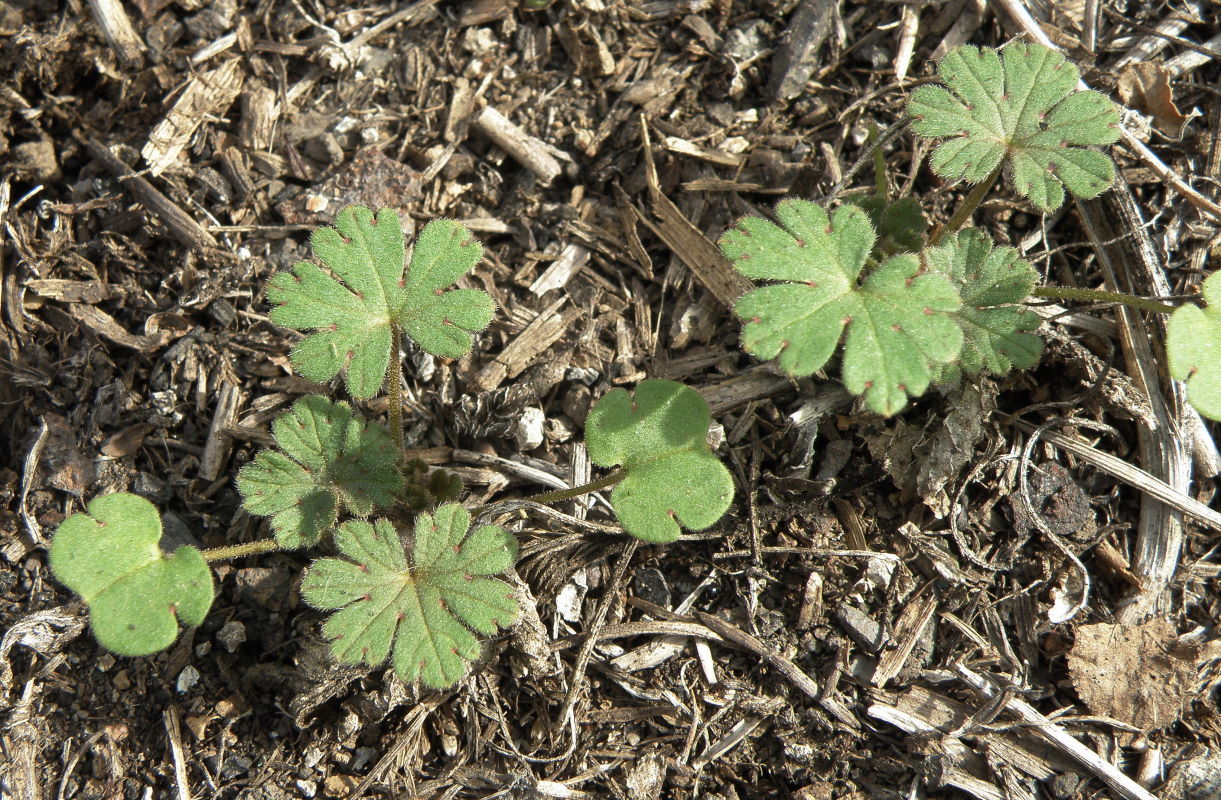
572 258
208 94
118 31
1107 772
531 153
104 325
758 383
543 331
260 116
693 248
217 448
179 223
961 767
908 629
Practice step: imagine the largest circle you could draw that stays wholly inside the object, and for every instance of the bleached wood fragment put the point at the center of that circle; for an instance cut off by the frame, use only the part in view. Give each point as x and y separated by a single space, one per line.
1105 771
208 94
118 31
530 152
546 328
217 448
572 258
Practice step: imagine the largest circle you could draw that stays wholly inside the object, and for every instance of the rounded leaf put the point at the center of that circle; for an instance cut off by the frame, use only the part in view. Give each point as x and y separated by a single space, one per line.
136 594
658 435
1193 347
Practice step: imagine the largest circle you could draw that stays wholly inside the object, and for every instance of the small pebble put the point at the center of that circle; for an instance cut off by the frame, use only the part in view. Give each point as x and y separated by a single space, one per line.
231 635
187 679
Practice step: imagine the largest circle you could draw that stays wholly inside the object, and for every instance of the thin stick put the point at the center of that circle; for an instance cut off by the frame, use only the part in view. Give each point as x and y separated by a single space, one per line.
240 550
395 379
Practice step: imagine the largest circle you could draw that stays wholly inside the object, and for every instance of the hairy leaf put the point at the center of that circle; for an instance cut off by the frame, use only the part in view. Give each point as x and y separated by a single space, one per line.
658 435
992 282
328 459
900 224
1018 106
136 594
1193 346
352 307
896 318
423 613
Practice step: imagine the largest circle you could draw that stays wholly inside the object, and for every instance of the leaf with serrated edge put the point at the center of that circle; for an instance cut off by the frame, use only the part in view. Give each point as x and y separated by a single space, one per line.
352 307
992 282
1193 347
136 594
330 459
423 614
896 319
1017 105
900 221
658 435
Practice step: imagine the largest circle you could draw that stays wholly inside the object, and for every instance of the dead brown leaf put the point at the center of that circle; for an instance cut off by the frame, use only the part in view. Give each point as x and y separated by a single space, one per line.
1133 674
1146 87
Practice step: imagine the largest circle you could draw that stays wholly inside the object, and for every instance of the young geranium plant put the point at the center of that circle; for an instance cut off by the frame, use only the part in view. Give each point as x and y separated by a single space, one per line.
421 594
906 310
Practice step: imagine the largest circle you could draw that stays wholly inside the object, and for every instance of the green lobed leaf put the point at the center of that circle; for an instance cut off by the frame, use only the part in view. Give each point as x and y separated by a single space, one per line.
1018 106
328 459
352 307
900 224
896 318
992 283
658 435
1193 348
423 613
136 594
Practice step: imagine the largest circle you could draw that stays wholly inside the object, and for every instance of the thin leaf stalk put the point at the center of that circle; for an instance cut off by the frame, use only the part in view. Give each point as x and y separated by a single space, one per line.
969 204
395 379
558 495
1101 296
240 550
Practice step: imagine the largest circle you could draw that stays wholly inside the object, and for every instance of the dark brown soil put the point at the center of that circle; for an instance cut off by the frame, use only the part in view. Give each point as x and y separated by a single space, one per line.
817 643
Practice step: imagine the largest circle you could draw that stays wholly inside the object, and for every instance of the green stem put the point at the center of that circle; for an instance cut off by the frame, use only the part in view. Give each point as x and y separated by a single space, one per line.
239 550
1100 296
879 165
969 204
396 380
577 491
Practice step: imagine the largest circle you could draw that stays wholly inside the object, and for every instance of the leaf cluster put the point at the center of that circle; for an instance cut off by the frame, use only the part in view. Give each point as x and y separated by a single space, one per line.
331 472
904 320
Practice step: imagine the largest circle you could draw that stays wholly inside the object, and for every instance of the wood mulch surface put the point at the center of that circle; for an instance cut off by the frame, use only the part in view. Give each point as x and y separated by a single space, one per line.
982 597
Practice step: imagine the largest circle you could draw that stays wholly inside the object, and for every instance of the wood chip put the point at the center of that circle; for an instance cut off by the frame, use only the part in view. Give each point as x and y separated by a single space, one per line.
208 94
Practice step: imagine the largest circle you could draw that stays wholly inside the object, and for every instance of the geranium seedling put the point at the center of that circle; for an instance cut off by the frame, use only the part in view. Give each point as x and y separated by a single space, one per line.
328 460
1018 107
896 318
110 555
424 612
658 436
354 308
992 281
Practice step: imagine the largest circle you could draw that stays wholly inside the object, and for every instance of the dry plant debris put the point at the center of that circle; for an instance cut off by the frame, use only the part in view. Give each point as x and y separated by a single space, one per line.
136 355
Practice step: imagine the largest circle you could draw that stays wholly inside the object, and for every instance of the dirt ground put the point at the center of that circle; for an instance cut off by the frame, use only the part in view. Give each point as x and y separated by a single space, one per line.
981 597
